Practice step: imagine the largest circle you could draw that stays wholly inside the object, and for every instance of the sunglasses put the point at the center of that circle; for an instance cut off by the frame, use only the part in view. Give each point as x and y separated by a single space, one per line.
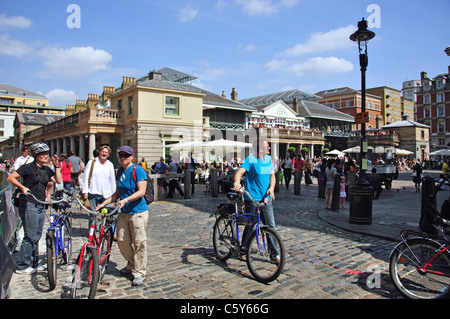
124 155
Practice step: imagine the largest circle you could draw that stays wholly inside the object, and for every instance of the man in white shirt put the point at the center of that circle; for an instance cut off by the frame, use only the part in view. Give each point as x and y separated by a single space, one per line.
99 183
24 159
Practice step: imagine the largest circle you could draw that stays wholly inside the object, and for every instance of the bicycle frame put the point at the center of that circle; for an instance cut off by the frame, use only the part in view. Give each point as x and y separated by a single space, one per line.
255 226
59 231
93 240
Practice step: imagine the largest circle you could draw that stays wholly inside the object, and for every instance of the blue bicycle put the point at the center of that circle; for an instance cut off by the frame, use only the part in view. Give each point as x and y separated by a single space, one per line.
261 246
59 234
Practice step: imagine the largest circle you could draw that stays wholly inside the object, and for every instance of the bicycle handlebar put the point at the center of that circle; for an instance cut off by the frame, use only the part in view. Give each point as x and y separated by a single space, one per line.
51 202
243 191
96 213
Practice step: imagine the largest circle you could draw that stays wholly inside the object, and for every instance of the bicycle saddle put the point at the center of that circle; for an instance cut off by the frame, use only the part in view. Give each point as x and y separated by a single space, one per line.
232 196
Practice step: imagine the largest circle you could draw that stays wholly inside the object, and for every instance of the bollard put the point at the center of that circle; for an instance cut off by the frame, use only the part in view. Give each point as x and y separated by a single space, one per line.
187 184
277 182
297 182
214 183
427 214
321 188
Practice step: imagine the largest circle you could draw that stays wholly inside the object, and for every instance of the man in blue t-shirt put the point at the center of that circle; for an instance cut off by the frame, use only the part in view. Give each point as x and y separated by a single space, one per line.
260 181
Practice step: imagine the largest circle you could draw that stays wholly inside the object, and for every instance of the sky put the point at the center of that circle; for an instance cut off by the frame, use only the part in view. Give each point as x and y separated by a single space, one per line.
68 49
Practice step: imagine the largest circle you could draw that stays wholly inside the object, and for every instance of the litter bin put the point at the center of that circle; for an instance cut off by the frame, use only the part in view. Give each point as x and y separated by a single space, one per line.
361 204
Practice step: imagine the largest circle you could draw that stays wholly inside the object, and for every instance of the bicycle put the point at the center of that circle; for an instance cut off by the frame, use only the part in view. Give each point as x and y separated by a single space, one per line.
58 237
419 266
94 255
261 245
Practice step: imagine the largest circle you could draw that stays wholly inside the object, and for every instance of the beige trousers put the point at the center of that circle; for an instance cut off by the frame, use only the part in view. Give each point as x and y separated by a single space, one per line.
132 241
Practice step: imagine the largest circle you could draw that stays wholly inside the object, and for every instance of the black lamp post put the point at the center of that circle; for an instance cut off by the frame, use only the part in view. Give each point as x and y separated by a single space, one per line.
361 193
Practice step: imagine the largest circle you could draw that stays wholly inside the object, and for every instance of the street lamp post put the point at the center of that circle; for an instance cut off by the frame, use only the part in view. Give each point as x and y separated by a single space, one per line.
361 193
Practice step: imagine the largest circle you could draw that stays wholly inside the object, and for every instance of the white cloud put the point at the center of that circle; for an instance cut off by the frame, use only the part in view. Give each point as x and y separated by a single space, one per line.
14 22
265 7
318 66
13 47
323 41
246 48
59 97
76 61
187 14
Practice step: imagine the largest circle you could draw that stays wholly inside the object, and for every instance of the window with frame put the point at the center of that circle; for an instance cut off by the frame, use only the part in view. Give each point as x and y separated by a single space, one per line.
440 111
426 112
427 99
172 106
441 127
440 97
130 105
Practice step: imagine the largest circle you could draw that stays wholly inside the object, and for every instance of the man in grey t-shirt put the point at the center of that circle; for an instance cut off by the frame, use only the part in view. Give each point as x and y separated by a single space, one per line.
77 167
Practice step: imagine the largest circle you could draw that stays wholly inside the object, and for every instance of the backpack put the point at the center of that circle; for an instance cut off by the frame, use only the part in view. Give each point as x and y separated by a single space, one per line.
149 191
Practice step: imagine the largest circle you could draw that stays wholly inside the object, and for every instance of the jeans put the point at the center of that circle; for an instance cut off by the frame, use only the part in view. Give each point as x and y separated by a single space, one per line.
33 217
267 218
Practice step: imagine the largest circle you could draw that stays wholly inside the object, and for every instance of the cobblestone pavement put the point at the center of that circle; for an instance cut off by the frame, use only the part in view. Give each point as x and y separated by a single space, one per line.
323 261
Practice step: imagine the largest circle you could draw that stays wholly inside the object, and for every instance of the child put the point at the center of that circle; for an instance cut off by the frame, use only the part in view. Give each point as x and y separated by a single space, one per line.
342 194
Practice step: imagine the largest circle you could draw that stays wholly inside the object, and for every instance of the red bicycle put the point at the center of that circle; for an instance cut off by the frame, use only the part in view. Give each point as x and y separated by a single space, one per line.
419 265
94 255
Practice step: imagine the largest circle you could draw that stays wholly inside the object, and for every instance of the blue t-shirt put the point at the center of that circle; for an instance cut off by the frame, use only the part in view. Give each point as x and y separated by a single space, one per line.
257 176
127 186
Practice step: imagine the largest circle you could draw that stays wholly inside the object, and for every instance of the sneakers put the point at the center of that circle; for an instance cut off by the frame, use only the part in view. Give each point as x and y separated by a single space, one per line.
138 281
26 271
125 271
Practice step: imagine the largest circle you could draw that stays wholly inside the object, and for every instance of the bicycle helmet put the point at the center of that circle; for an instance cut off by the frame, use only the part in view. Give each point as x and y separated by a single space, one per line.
38 148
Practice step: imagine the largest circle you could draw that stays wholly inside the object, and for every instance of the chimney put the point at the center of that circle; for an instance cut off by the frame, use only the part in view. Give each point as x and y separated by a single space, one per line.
127 82
155 75
423 75
295 105
234 94
92 100
107 91
223 94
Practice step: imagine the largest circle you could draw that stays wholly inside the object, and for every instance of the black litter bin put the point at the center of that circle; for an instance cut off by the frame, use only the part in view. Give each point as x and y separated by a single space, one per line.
361 204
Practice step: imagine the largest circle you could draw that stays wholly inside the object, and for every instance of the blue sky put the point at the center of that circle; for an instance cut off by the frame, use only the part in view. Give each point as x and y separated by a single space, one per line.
257 46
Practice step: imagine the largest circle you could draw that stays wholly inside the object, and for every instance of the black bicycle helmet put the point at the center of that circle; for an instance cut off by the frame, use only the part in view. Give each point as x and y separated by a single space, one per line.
38 148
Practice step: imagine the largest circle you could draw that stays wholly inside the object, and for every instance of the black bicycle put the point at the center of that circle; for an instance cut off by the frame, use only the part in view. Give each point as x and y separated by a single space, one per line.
261 246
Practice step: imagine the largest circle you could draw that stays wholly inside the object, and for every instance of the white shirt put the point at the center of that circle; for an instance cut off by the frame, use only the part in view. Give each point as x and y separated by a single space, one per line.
22 160
103 180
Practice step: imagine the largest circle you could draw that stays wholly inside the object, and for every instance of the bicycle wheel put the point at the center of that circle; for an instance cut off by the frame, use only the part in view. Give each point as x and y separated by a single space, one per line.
224 238
409 279
66 245
50 241
105 252
85 275
265 254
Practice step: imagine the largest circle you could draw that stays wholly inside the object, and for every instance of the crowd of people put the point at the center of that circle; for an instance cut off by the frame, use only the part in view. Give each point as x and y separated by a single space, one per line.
100 184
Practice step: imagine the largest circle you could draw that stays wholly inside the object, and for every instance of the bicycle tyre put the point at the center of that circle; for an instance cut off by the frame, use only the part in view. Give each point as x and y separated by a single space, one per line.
261 262
413 283
85 276
67 241
224 238
50 241
104 251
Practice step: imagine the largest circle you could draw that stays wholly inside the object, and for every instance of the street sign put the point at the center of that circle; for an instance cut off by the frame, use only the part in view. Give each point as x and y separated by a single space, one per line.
362 117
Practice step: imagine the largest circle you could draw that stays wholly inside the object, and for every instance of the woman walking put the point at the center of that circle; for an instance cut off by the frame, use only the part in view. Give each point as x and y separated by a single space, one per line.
38 179
330 173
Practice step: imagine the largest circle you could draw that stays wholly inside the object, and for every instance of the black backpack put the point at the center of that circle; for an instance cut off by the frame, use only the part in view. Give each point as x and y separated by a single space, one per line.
149 191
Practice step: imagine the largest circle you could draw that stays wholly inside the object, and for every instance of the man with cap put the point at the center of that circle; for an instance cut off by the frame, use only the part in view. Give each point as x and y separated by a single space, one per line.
132 220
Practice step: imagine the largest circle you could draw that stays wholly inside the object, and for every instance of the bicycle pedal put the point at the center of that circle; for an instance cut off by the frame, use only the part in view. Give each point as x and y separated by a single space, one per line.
104 283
